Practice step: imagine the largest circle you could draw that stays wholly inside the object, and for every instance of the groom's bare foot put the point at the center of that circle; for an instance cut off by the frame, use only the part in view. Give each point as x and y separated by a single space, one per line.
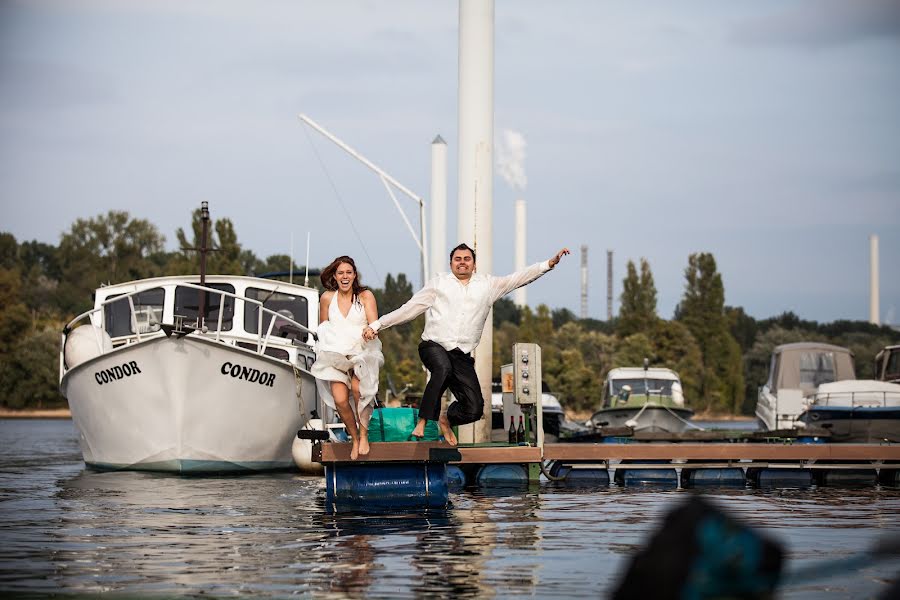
364 445
447 430
354 451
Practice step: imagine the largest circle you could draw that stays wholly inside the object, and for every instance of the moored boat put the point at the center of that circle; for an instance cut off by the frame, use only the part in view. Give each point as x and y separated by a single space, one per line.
150 389
855 410
795 371
646 399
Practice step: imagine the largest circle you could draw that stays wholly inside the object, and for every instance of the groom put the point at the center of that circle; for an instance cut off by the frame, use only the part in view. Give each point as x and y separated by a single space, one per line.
456 306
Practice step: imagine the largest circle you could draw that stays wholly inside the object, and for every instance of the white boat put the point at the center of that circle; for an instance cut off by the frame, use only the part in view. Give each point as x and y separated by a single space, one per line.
646 399
795 372
855 410
150 390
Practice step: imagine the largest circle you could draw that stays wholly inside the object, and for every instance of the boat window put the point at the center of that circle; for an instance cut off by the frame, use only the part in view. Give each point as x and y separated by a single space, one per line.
658 387
892 371
292 306
187 305
816 368
148 310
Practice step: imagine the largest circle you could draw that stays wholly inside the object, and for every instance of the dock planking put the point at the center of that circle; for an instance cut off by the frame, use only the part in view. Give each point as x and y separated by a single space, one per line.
499 454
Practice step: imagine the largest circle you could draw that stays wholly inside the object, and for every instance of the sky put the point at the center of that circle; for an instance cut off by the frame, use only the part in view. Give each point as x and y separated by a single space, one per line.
766 133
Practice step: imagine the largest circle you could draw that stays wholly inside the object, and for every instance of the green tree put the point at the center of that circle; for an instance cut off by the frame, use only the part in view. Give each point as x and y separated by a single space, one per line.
29 372
637 308
506 310
702 310
108 248
225 257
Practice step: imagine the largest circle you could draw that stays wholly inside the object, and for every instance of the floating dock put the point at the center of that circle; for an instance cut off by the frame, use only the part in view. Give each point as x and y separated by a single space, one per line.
669 464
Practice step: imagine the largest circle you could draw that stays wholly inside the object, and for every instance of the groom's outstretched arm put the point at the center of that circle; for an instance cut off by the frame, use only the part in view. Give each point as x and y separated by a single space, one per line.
500 286
415 306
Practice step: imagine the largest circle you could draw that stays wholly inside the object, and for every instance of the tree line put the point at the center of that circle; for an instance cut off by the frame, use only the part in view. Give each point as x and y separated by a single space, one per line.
720 352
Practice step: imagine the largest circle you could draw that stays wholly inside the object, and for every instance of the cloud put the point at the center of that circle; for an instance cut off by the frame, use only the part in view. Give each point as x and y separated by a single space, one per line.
511 159
823 24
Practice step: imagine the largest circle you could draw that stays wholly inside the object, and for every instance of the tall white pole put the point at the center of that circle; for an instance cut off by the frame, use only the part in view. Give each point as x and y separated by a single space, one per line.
439 250
874 309
476 170
519 296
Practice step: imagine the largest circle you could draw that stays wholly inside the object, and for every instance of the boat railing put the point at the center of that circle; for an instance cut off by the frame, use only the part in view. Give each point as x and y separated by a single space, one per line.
855 398
97 317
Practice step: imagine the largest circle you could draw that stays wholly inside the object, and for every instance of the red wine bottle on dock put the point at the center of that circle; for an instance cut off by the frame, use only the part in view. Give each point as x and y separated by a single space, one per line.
520 432
513 439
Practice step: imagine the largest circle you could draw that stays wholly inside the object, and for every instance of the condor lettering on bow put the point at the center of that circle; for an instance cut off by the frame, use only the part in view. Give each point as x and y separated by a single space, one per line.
118 372
248 374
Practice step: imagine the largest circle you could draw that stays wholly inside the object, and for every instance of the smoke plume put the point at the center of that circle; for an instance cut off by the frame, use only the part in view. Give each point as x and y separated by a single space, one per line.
511 159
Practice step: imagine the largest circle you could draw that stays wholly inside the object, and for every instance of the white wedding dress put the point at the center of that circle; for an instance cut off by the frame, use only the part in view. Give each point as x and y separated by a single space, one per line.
341 352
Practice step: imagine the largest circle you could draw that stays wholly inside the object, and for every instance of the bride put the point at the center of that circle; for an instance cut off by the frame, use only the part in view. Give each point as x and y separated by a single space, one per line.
345 361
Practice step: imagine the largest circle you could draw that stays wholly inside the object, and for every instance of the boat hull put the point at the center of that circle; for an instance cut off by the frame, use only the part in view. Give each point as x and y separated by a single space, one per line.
860 424
187 404
654 418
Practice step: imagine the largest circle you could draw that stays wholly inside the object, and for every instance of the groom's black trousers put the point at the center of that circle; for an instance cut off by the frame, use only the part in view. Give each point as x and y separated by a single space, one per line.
452 369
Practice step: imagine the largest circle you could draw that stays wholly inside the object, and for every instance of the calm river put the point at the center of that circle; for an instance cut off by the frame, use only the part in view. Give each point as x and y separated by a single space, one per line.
68 529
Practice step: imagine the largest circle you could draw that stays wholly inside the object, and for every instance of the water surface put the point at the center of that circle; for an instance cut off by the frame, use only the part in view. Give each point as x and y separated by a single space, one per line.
65 528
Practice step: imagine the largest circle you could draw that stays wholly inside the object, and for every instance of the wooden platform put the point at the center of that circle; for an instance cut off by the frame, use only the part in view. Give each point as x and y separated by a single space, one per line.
419 452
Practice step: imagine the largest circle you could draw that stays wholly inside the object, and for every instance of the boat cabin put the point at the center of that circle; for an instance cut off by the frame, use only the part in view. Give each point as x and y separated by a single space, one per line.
634 386
263 315
807 365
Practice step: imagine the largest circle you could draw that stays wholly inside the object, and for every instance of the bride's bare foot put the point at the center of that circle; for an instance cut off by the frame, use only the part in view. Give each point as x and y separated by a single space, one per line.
447 430
354 451
363 445
418 431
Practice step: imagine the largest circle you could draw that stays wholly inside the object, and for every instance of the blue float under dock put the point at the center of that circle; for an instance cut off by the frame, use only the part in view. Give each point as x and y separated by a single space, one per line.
395 472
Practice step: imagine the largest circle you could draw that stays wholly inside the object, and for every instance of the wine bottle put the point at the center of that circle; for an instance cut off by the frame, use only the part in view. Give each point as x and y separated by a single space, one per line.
513 438
520 432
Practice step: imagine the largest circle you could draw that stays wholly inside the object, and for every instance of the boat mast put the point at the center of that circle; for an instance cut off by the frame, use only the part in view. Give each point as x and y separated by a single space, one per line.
204 233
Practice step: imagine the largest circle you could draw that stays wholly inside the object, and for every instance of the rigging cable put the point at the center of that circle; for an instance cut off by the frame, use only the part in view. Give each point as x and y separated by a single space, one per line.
341 202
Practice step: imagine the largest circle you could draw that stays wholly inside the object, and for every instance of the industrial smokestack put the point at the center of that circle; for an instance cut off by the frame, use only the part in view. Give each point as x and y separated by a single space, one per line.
609 285
584 282
519 296
874 309
438 206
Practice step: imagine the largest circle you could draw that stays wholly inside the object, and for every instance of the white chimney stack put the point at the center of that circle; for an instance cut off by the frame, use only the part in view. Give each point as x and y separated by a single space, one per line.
439 250
519 296
874 309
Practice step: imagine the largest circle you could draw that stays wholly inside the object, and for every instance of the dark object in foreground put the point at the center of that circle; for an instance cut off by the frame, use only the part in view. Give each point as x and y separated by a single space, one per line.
700 552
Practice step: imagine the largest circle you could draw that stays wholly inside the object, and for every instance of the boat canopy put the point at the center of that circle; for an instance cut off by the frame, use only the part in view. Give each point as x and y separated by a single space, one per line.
858 392
807 365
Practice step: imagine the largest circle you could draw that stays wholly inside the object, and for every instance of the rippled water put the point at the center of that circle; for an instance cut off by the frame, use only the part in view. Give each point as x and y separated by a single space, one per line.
65 528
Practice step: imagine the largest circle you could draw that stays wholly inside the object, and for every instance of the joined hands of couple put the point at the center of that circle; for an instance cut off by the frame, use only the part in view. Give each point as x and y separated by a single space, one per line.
369 334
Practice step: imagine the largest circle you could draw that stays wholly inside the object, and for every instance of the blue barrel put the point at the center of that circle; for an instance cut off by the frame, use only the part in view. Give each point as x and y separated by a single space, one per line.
889 477
660 477
386 485
780 478
456 477
572 475
848 477
502 474
713 477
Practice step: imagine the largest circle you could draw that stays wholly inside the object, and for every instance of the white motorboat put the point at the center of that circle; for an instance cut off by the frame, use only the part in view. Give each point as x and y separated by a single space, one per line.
855 410
150 389
647 399
795 372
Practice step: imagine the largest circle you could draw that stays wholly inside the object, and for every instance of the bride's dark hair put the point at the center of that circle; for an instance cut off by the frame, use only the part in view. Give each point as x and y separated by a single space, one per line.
329 281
